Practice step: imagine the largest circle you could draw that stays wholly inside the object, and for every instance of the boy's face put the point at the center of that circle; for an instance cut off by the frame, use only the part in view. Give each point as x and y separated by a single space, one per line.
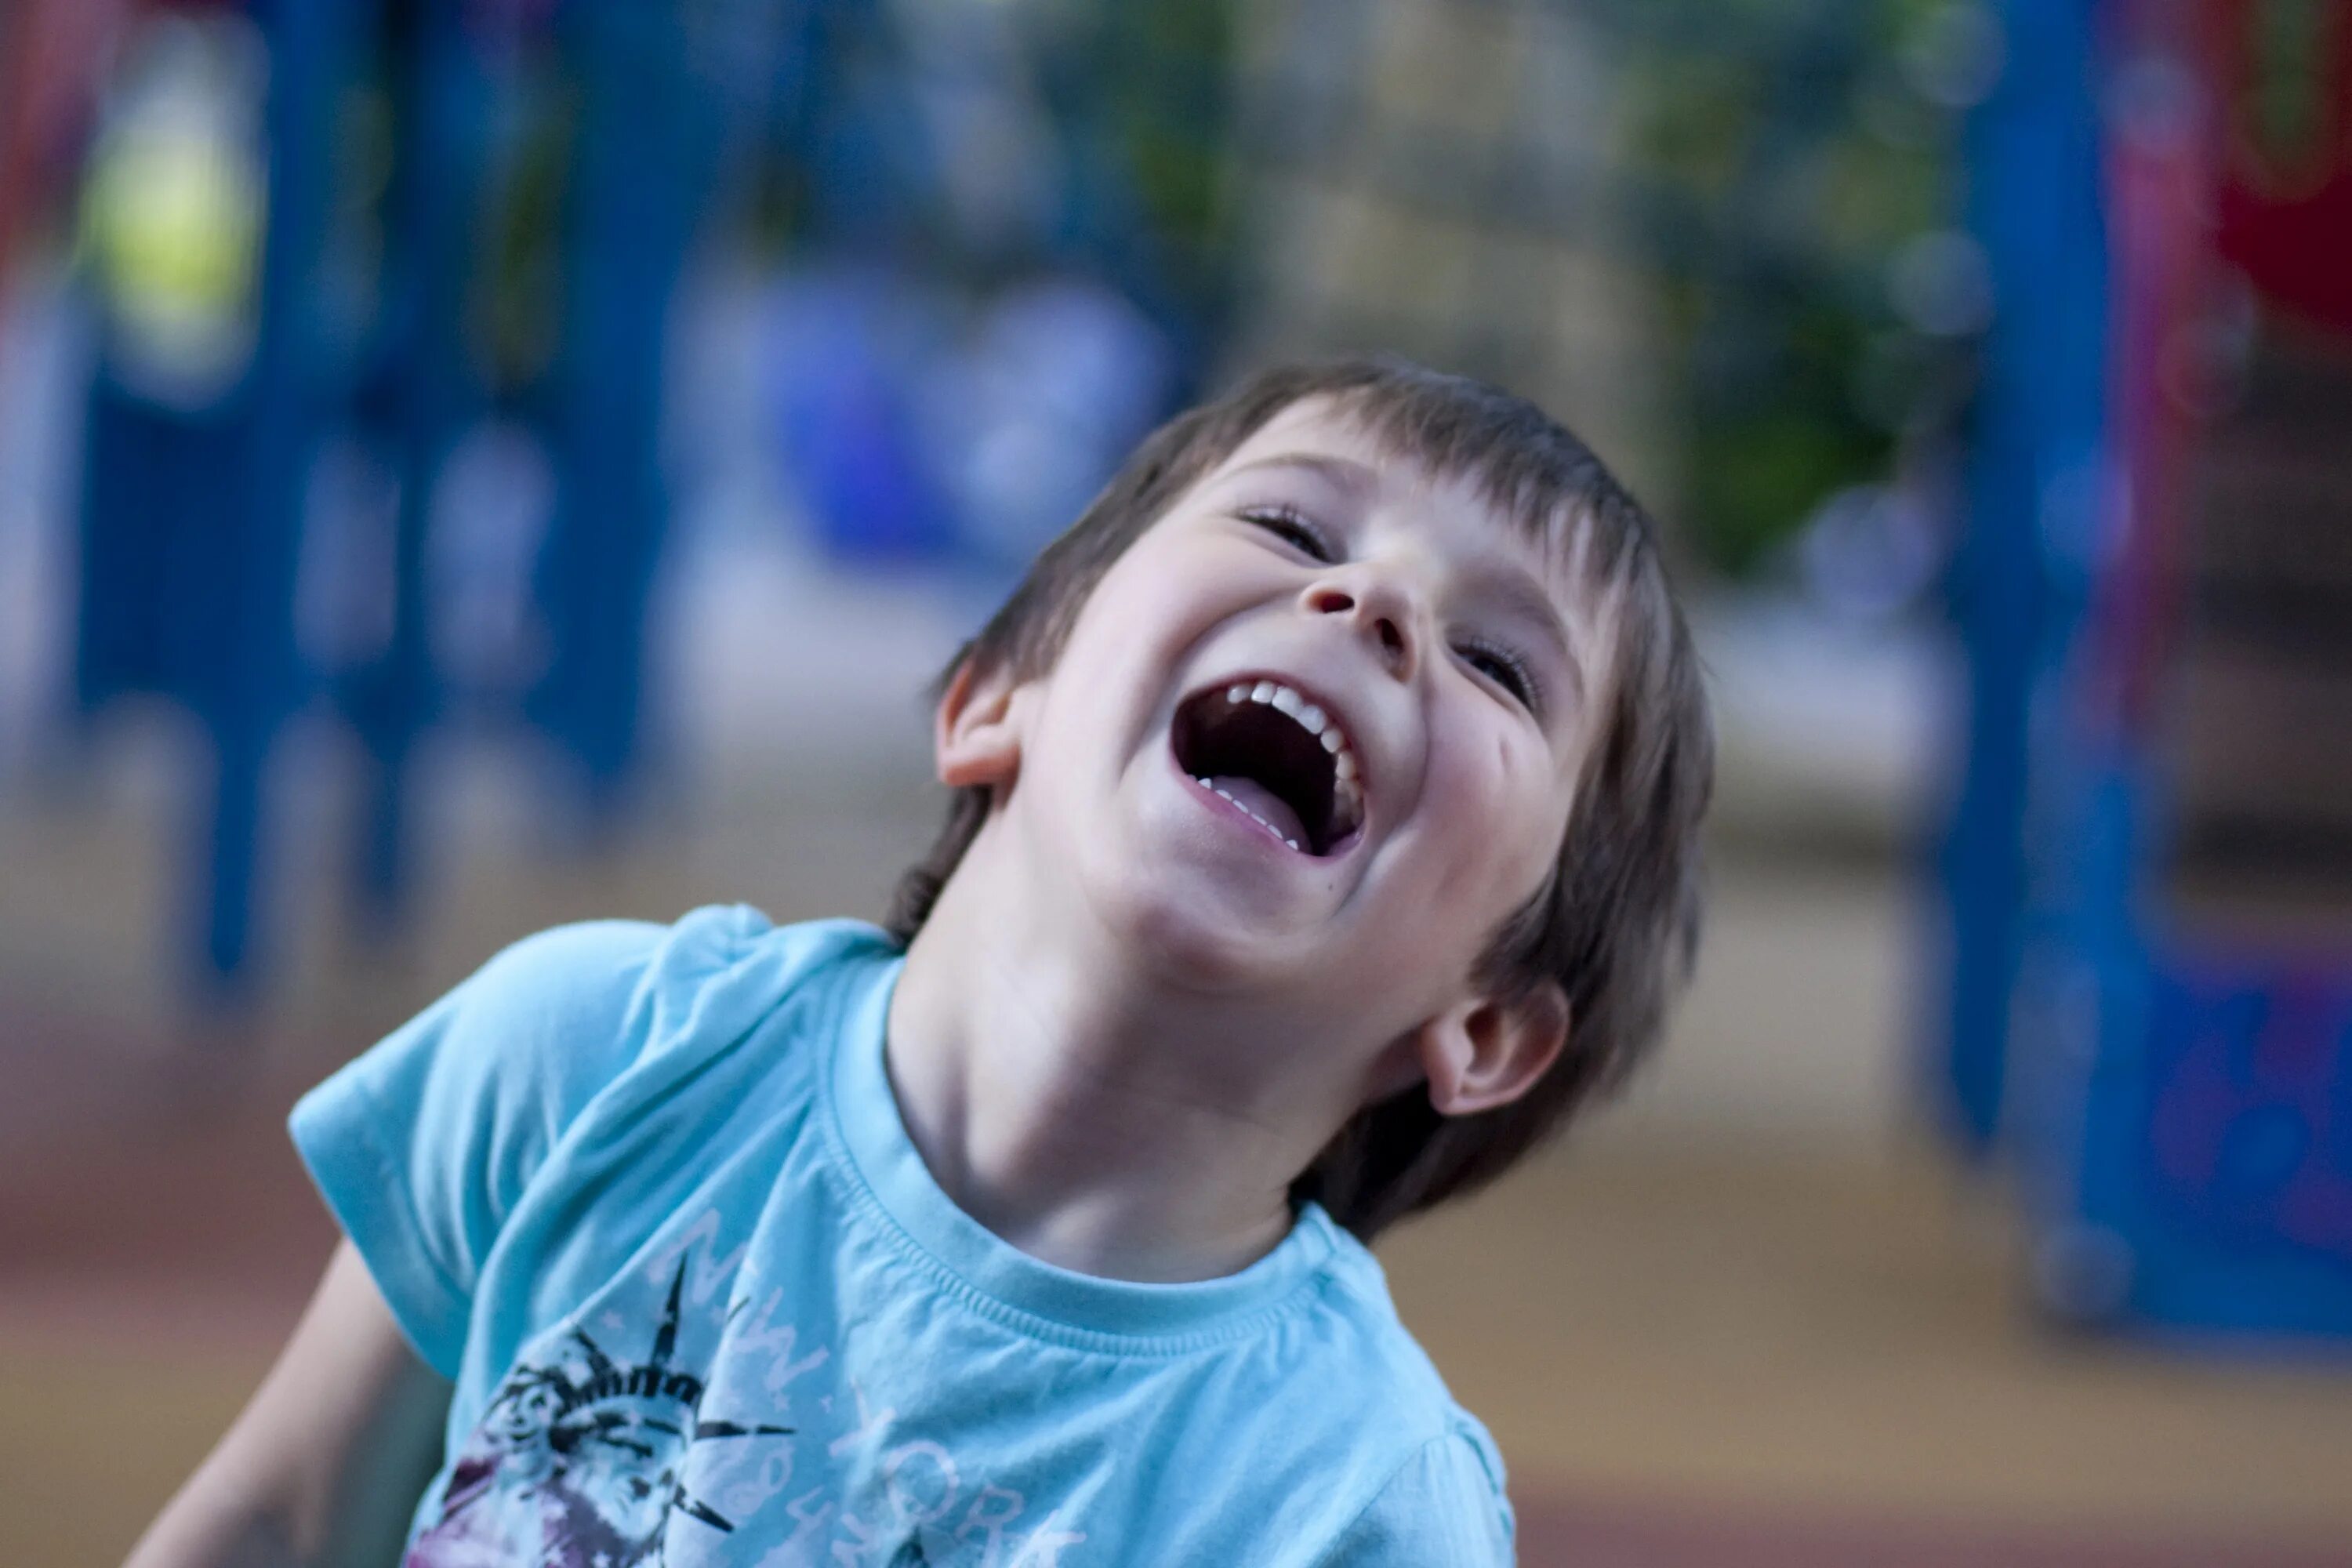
1445 657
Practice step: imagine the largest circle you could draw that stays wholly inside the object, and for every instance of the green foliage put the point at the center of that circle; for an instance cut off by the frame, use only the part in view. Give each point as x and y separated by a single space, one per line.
1780 155
1144 87
2293 47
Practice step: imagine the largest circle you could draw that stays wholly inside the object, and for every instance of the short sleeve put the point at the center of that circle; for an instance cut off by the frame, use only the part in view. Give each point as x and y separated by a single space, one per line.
1444 1508
421 1145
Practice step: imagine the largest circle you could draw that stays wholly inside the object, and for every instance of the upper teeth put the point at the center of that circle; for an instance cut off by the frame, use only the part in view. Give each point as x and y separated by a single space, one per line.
1348 790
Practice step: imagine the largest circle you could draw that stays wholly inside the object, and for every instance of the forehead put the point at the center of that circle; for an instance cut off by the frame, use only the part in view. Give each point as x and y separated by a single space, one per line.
1317 442
1320 428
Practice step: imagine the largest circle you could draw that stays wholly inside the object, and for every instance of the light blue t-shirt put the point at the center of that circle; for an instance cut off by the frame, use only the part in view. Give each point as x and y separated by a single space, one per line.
642 1194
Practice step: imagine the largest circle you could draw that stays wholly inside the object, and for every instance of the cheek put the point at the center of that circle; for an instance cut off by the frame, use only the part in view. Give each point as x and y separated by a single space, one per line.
1143 623
1130 613
1100 708
1507 809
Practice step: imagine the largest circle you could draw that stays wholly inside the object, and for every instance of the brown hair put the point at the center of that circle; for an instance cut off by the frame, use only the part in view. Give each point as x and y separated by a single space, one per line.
1616 923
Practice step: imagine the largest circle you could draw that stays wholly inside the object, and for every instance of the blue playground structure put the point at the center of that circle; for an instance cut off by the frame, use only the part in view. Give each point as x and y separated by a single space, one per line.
193 482
327 246
2148 868
196 488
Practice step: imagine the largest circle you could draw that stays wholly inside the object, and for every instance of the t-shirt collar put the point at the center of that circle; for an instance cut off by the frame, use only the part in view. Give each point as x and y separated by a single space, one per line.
865 1111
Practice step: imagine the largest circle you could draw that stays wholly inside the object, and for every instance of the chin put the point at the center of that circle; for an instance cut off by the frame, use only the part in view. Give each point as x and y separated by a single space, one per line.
1190 935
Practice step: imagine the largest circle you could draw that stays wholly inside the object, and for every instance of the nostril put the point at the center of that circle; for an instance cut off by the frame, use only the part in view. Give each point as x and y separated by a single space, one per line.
1333 602
1391 639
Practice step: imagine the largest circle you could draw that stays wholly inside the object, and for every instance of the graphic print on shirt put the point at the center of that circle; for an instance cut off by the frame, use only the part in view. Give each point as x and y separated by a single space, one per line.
579 1460
582 1461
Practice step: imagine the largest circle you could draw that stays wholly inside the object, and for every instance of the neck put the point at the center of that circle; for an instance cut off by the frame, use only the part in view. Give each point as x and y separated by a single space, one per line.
1083 1110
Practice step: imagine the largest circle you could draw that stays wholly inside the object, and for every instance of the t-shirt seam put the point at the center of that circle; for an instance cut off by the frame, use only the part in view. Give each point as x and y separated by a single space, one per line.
1036 1325
1301 1296
1481 1447
1328 1556
1340 1540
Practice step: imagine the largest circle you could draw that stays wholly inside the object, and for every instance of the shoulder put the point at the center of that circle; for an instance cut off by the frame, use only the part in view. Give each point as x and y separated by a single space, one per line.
1434 1490
516 1052
567 976
643 986
425 1145
565 962
1366 1324
1444 1506
719 970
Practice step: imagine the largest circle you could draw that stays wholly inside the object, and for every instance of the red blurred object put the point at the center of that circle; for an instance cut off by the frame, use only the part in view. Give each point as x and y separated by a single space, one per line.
2284 209
2232 144
2162 172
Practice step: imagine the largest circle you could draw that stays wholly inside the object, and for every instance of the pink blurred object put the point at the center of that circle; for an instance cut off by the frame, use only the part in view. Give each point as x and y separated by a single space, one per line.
50 56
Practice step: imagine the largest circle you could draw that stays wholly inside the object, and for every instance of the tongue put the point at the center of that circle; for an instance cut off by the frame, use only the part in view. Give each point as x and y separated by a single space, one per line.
1266 806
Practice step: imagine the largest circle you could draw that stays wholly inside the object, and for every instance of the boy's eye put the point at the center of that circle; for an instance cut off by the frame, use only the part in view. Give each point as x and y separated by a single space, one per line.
1293 528
1503 668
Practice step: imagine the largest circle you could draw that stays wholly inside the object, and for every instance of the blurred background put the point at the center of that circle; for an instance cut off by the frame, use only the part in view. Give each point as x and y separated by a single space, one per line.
467 464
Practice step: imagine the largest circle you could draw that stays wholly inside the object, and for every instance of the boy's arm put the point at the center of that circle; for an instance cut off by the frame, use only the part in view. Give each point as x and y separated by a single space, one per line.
327 1461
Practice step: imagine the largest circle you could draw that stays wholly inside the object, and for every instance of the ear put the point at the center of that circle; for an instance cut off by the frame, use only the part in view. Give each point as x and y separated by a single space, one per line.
975 737
1487 1051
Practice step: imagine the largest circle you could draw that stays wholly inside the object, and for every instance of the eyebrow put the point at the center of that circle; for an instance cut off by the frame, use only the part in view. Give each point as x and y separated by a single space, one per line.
1341 472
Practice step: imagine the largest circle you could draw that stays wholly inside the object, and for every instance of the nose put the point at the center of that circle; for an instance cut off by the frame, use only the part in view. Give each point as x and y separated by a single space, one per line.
1378 610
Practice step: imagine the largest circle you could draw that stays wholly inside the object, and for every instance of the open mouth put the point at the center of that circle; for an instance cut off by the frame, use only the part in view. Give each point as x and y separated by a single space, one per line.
1278 757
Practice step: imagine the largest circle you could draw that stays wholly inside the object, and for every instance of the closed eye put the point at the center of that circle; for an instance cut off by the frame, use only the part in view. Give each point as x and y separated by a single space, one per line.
1292 528
1505 669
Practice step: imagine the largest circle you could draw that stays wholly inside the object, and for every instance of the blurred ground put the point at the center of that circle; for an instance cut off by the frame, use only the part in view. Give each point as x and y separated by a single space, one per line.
1750 1318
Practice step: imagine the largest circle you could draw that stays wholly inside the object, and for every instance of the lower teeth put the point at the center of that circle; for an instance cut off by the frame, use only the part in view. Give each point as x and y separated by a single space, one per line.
1252 816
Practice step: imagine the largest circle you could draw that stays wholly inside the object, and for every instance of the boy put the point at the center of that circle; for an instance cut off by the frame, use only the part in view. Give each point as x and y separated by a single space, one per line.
1322 833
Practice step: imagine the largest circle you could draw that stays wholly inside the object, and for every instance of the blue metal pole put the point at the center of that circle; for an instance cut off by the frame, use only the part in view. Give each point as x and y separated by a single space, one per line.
309 44
2032 498
430 393
648 141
